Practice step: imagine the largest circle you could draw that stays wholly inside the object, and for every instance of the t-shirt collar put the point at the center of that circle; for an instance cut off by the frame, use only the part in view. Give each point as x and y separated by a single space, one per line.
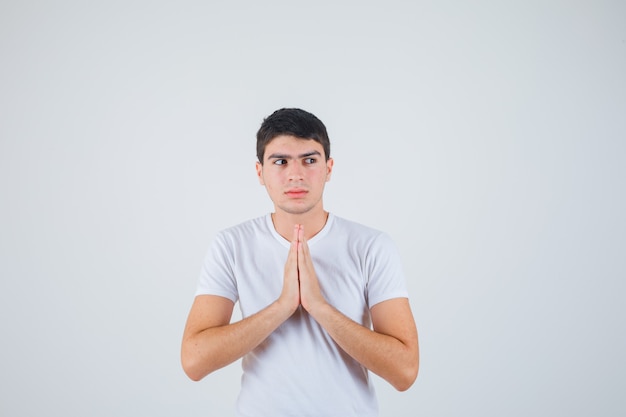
320 235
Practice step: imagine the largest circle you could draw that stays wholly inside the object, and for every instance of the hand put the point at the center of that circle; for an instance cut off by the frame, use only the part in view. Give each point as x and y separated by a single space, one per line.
290 295
310 292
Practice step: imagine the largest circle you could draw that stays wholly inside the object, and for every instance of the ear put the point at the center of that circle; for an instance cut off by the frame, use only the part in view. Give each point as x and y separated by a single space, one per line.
329 168
259 173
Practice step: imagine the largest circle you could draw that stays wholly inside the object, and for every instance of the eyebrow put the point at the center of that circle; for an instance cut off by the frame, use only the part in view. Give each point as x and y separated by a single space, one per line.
285 156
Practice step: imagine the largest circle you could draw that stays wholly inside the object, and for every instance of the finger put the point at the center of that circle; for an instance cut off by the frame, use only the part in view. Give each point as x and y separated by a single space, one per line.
294 240
303 250
303 242
292 256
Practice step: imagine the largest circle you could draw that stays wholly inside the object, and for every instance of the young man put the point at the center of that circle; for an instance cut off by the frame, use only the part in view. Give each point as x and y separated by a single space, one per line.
311 287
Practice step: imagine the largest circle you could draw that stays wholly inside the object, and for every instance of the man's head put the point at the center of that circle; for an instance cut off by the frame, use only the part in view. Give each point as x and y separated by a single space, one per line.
291 122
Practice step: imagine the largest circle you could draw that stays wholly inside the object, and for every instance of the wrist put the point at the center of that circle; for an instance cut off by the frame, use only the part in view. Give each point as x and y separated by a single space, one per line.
284 307
318 308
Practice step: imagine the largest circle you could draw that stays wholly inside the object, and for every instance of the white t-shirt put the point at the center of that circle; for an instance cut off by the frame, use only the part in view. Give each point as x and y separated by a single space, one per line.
299 370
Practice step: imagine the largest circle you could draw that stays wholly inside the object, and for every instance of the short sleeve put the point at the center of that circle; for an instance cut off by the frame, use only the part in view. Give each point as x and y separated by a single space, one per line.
385 276
216 276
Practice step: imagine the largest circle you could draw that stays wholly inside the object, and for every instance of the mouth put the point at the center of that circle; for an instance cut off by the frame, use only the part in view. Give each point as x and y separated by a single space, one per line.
296 193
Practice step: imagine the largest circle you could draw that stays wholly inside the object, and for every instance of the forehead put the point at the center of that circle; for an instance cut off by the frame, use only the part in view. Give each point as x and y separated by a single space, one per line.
292 146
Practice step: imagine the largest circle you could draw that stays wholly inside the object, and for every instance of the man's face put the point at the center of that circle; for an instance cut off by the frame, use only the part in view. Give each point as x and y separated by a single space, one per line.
294 172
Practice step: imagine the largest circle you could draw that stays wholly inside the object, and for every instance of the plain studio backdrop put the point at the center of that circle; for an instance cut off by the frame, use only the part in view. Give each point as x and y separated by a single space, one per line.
487 138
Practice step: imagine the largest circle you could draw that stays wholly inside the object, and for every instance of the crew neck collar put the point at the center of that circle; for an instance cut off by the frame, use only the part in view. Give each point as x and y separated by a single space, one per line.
323 232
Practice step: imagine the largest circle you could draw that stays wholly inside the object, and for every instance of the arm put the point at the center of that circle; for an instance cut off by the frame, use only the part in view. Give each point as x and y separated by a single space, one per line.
390 350
210 342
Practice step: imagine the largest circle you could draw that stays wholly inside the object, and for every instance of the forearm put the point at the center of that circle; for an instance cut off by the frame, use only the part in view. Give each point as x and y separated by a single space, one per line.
387 356
213 348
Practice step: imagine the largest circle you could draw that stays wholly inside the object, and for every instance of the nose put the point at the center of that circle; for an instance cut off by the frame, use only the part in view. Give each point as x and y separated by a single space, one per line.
295 172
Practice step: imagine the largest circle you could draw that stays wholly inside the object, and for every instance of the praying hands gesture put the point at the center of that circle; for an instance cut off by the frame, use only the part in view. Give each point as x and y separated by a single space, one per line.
300 286
390 350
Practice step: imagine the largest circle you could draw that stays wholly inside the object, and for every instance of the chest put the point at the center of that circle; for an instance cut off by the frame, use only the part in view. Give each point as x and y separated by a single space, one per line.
343 281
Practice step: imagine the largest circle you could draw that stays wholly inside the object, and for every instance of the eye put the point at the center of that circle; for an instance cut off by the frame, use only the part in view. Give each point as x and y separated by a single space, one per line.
280 162
310 160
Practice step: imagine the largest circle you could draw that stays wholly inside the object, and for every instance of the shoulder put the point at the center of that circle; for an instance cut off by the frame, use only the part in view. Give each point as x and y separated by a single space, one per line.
376 251
249 229
361 235
355 229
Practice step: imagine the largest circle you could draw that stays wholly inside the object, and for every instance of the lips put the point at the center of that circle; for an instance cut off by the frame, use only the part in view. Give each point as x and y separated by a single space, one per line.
296 193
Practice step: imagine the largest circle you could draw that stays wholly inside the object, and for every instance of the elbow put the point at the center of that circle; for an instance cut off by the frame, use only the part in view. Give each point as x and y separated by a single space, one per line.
192 367
190 370
194 376
407 376
197 363
407 380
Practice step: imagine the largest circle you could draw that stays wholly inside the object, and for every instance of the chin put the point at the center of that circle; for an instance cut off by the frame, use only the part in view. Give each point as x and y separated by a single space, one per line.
296 209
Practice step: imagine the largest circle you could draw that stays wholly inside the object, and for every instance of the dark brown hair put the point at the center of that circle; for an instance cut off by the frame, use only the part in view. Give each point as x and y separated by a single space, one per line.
292 122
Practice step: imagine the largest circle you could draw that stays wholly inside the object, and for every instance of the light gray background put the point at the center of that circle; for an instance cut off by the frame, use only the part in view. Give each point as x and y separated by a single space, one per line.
487 138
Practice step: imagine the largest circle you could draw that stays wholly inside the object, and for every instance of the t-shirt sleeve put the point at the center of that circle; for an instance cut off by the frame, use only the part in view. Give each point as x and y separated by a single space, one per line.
216 275
384 270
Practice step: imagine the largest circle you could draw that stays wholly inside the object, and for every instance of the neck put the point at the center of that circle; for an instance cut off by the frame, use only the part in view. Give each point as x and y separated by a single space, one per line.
312 222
